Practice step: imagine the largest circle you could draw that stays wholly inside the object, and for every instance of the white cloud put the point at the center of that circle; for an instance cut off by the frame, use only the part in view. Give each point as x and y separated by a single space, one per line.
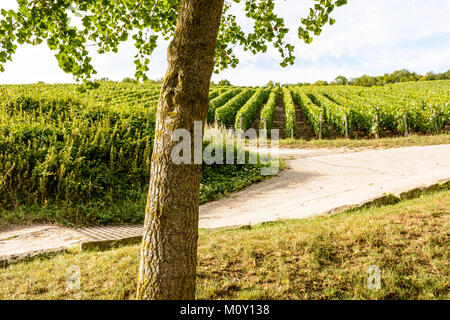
32 64
252 75
9 4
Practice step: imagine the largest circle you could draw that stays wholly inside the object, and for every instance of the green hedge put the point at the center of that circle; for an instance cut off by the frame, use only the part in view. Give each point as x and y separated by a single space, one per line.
56 148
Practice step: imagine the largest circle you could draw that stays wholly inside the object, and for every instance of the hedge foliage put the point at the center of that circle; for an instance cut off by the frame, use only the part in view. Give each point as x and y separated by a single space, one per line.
58 148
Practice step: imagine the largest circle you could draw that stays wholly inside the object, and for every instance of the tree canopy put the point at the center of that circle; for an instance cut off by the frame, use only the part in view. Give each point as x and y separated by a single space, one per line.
69 27
397 76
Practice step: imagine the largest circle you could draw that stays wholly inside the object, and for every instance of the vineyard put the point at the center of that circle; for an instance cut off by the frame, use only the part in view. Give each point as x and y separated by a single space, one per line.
57 144
330 112
337 111
85 158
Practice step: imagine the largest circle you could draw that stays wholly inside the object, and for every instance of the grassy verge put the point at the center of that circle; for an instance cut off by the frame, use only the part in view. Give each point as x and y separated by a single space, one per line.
318 258
412 140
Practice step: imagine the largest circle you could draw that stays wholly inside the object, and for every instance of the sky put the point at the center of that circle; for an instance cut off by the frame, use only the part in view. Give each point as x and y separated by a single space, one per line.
369 37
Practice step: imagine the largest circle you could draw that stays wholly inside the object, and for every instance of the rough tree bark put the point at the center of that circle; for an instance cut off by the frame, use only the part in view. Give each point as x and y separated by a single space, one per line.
169 248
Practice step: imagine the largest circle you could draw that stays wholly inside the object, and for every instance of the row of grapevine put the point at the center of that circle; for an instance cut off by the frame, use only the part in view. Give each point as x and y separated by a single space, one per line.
290 115
268 112
334 114
219 102
248 112
423 109
313 113
360 114
216 92
420 115
226 114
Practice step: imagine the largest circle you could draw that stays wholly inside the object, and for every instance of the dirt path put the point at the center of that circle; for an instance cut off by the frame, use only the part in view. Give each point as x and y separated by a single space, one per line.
316 182
304 130
257 120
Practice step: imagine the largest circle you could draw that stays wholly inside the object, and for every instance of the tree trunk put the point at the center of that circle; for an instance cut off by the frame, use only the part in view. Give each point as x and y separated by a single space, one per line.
169 248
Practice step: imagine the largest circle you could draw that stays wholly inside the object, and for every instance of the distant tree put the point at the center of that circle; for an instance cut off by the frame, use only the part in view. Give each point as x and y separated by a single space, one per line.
224 82
365 81
403 76
436 76
321 83
430 75
445 75
384 79
129 80
341 80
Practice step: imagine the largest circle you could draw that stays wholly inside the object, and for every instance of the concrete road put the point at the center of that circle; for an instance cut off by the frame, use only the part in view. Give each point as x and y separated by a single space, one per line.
318 182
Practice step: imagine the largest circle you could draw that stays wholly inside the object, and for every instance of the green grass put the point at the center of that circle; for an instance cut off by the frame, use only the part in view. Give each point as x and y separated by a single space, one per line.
318 258
394 142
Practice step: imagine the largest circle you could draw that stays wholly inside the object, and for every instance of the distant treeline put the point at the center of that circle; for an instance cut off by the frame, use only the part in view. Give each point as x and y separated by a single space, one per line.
394 77
403 75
